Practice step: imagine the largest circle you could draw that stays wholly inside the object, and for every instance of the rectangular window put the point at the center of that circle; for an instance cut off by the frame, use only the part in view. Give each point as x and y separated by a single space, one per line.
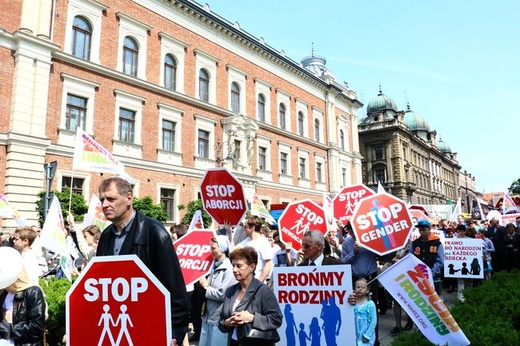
319 172
262 158
378 153
168 202
76 112
77 184
379 175
126 125
344 176
236 153
168 135
283 163
303 167
203 144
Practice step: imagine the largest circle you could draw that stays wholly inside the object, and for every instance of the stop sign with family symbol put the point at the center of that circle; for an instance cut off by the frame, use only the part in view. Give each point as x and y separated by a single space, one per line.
223 196
382 223
347 199
299 217
118 301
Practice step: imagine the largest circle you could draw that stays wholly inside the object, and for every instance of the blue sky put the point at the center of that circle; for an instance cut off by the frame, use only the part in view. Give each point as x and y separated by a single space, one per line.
456 62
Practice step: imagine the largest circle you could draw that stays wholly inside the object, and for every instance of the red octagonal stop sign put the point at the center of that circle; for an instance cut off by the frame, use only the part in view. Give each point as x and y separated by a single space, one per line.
194 253
118 301
347 199
299 217
382 223
223 196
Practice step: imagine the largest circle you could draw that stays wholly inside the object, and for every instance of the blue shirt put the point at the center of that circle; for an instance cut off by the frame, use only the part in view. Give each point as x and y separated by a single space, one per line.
363 262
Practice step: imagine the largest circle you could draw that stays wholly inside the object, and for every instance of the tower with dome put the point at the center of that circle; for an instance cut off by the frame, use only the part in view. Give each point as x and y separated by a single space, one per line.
403 152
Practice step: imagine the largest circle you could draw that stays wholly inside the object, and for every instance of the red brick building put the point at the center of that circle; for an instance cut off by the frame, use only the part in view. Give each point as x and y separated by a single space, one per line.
171 89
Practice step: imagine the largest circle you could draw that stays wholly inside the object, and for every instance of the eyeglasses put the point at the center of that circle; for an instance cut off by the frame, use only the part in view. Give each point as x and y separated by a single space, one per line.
307 245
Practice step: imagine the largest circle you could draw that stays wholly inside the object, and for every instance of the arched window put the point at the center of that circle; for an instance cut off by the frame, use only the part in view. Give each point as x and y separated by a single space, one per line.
281 116
130 56
204 85
300 123
261 107
342 139
235 97
81 38
170 72
316 130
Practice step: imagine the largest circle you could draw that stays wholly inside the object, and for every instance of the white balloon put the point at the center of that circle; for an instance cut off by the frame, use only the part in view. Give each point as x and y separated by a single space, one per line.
10 266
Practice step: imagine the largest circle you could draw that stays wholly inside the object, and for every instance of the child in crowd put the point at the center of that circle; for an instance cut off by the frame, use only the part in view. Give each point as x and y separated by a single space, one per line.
365 315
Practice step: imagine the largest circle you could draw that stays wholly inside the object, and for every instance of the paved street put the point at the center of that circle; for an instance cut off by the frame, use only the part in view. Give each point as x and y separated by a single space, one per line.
387 323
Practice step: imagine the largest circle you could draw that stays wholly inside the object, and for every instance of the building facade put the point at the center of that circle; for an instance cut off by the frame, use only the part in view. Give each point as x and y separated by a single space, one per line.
171 89
401 151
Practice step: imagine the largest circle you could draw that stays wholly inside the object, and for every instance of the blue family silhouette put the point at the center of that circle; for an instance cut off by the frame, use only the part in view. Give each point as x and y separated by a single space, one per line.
331 326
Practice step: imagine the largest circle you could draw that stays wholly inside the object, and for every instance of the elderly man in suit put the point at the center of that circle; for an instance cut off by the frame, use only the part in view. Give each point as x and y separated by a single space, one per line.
313 243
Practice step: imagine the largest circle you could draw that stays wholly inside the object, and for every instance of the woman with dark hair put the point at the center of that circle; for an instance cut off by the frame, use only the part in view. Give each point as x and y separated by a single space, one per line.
249 303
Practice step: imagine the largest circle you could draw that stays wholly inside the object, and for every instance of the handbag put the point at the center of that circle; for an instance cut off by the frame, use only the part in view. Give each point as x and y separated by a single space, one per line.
257 336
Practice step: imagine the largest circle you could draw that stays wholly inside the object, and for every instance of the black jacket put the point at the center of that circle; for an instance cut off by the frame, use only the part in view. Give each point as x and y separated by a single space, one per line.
262 304
28 317
148 239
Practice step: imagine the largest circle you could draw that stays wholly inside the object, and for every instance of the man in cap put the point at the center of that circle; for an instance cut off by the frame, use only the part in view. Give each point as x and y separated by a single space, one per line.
428 248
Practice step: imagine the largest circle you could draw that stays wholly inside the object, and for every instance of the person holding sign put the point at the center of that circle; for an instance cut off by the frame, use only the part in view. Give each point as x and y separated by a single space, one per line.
220 279
249 305
428 248
134 233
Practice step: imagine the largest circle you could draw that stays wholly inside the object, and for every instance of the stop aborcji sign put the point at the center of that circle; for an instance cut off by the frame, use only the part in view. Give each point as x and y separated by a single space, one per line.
381 223
223 196
118 301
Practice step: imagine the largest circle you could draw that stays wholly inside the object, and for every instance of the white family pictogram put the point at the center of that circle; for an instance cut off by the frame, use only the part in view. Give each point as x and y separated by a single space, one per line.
123 320
299 227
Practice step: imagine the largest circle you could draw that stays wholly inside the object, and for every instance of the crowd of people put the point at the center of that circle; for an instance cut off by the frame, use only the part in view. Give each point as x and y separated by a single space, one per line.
235 303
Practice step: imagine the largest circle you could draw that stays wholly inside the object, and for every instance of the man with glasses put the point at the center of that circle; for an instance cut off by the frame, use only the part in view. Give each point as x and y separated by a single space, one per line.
313 243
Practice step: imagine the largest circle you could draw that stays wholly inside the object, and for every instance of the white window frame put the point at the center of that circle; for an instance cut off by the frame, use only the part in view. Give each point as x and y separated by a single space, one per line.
287 149
75 175
320 185
175 115
177 48
205 124
209 63
135 104
176 199
318 115
82 88
137 30
304 181
285 98
264 88
93 12
343 125
266 173
239 77
301 106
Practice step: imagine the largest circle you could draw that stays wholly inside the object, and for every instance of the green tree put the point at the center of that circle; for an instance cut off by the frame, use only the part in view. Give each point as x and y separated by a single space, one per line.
514 189
78 207
191 208
146 206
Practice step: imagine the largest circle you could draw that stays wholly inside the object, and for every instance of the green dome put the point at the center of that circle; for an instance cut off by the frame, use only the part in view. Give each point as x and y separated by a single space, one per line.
443 147
415 122
381 103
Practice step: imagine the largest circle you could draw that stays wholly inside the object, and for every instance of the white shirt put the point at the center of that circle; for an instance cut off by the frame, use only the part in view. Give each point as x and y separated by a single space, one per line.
263 249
